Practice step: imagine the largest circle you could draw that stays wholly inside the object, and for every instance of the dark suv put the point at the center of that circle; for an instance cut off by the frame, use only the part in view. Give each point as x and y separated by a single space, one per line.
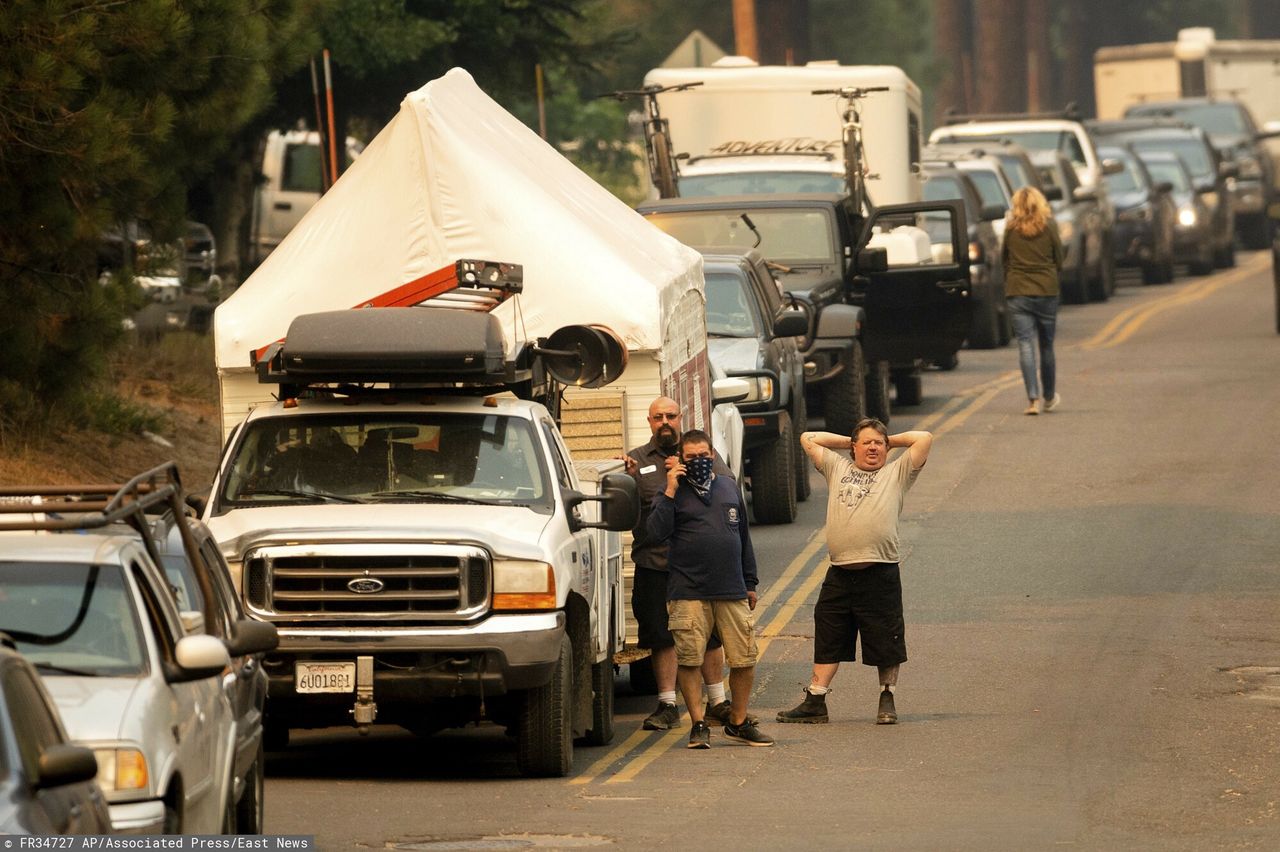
1081 225
1145 216
752 335
1235 134
878 310
1204 162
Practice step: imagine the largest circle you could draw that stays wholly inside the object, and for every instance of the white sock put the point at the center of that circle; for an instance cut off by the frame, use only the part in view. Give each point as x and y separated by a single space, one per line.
814 689
667 697
715 692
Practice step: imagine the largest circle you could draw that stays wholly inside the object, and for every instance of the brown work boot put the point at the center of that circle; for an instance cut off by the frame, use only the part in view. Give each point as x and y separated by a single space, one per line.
811 711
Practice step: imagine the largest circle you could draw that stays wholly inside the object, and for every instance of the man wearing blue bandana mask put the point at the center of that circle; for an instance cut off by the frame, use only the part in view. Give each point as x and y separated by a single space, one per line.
711 584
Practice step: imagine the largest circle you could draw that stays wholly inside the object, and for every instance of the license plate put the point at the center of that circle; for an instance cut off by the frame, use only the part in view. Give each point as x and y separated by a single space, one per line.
325 677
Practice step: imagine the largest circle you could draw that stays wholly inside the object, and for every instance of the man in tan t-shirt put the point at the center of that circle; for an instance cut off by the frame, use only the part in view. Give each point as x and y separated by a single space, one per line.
862 592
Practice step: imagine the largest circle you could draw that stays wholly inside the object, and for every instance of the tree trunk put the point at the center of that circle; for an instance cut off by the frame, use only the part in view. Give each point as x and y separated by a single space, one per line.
745 40
1001 56
783 28
951 27
1040 94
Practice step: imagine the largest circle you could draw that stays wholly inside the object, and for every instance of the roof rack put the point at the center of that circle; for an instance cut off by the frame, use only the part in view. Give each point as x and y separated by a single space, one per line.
1071 112
1137 122
80 507
824 155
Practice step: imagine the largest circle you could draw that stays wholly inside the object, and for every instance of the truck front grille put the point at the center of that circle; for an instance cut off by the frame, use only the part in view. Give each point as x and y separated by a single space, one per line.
375 581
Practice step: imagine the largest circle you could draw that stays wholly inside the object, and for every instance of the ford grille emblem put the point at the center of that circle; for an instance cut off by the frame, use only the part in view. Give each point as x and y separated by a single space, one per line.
366 585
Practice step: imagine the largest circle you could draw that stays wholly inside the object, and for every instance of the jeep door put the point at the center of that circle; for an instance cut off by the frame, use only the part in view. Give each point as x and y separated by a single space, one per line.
918 308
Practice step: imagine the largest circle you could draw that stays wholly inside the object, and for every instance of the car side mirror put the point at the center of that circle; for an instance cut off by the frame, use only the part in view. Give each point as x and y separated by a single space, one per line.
619 504
1085 193
250 636
197 657
791 324
1053 193
992 212
873 259
64 764
1164 186
1112 166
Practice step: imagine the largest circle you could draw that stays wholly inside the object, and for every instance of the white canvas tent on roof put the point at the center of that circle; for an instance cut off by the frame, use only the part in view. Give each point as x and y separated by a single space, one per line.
455 176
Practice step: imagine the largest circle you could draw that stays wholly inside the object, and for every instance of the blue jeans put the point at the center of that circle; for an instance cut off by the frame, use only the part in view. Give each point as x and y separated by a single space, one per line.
1035 317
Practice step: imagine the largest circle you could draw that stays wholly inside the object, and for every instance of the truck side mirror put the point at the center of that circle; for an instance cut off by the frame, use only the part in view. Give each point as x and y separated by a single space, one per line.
729 390
992 212
1112 167
250 636
1164 187
619 504
873 259
1084 193
791 324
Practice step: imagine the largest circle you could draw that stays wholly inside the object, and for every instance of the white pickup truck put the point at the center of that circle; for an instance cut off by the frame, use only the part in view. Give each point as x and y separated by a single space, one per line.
425 545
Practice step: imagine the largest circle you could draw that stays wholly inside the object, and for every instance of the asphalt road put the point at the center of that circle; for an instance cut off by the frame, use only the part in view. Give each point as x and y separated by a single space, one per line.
1092 604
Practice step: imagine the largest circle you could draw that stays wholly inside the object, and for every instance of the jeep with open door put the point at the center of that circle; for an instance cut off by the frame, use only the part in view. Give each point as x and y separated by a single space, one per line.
409 518
885 293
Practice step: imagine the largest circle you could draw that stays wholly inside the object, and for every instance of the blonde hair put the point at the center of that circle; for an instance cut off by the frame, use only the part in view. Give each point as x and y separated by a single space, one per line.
1030 213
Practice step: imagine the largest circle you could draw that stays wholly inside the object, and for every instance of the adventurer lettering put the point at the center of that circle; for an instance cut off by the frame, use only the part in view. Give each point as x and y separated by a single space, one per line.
794 145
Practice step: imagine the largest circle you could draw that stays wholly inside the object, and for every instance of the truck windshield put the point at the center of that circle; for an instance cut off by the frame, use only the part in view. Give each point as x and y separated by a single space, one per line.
730 312
72 618
1225 119
472 458
794 236
760 183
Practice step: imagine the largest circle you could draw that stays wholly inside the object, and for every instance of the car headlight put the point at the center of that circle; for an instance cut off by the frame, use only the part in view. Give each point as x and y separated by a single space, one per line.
761 389
121 769
523 584
1187 217
976 254
1066 229
1210 200
1141 213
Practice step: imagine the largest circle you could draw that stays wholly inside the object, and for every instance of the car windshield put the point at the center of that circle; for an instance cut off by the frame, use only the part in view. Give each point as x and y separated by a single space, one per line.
1015 170
1191 150
989 188
1162 171
1129 179
1213 118
760 183
795 236
730 306
1041 140
359 458
72 618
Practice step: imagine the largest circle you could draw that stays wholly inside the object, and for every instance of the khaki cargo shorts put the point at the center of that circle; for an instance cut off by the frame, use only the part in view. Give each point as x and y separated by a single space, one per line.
691 623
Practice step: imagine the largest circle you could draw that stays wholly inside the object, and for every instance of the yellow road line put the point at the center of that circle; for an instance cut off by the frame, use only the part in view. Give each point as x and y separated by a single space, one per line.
615 754
649 755
788 611
802 558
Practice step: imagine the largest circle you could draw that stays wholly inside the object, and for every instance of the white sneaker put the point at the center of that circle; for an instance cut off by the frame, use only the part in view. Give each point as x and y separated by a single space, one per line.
1033 407
1053 403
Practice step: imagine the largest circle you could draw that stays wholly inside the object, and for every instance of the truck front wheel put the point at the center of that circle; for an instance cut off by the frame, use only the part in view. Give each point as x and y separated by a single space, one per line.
844 400
601 732
773 477
544 730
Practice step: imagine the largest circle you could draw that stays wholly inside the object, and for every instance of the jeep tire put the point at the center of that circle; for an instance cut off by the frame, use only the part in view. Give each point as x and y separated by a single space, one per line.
798 425
878 391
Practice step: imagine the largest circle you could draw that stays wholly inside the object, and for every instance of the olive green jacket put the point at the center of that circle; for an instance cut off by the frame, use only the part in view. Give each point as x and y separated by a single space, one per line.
1032 264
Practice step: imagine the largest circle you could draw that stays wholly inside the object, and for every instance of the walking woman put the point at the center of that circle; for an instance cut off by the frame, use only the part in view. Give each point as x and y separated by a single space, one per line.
1032 260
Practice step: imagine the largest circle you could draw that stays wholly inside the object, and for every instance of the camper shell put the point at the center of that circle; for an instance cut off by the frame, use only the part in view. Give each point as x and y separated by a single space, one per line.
752 129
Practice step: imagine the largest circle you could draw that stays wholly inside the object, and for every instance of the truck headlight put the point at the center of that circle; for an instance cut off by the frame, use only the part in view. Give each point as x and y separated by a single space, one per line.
761 389
121 769
1210 200
523 584
1187 217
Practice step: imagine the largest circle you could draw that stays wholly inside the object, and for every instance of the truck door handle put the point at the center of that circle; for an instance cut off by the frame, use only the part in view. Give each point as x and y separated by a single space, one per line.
953 286
284 205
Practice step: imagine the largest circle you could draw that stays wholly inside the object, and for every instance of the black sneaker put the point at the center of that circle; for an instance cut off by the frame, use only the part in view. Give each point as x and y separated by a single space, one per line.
886 715
719 714
699 736
747 733
662 719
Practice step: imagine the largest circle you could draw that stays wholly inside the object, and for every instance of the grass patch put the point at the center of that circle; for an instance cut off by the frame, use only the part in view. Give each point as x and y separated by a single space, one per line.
108 412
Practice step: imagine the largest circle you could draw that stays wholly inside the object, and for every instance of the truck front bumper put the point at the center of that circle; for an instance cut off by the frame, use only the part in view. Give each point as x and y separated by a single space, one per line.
413 664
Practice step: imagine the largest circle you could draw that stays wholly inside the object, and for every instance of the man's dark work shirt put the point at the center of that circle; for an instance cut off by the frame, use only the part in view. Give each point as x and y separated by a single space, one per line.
651 460
710 555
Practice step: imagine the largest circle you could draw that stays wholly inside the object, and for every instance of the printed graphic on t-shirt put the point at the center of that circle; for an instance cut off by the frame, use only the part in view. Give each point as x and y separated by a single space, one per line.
856 484
731 517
